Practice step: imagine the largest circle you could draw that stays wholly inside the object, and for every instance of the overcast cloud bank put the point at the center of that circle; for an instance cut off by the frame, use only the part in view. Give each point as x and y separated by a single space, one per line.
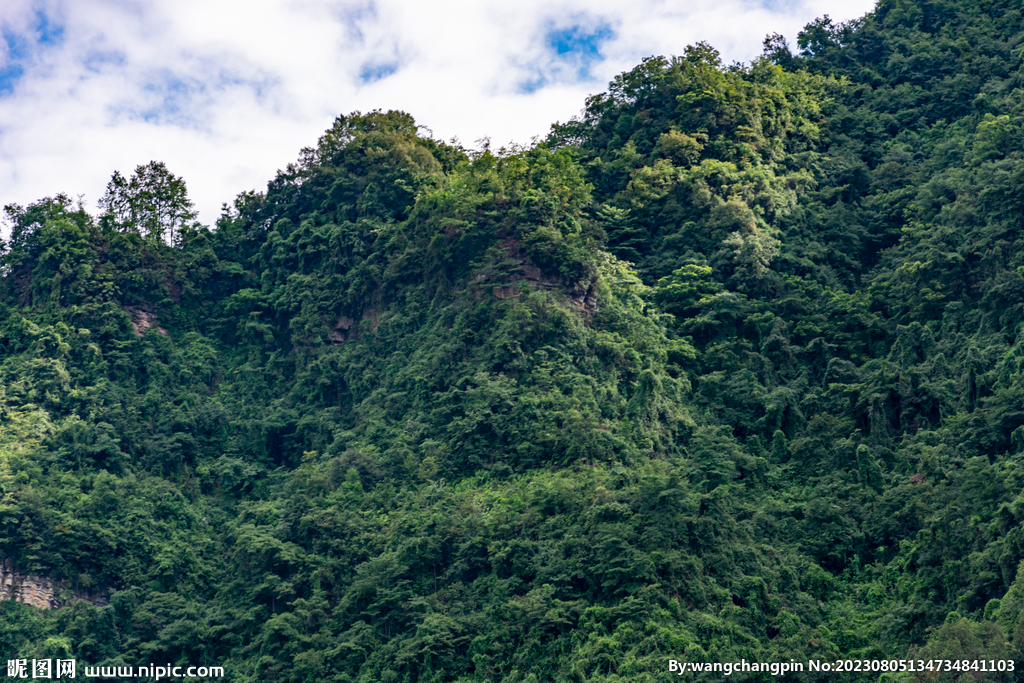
226 96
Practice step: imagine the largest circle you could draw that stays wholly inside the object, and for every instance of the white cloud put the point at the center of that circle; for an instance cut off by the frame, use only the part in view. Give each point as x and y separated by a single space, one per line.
227 93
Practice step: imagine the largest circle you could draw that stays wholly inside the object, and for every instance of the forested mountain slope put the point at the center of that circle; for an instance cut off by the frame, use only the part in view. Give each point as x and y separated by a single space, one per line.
728 367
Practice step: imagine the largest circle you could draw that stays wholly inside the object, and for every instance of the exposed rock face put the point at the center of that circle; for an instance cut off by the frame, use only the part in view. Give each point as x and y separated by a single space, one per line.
582 295
142 320
338 332
38 591
501 279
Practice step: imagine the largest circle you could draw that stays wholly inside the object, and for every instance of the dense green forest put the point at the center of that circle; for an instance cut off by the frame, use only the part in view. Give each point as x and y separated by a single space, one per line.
729 366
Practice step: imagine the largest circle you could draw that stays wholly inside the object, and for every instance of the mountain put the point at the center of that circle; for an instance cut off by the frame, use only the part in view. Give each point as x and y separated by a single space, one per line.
729 367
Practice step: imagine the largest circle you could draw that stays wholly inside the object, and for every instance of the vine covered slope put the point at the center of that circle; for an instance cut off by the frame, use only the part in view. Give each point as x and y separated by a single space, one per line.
730 366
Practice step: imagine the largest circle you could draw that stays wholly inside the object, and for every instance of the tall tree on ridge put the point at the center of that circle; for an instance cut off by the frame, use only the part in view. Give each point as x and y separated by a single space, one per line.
154 202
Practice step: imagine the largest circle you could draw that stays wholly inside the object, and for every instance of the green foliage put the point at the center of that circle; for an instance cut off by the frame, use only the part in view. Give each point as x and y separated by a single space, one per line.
727 368
153 202
686 290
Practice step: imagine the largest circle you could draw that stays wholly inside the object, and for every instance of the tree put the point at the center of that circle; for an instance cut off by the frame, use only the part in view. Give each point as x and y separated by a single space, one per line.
776 50
818 36
23 222
154 202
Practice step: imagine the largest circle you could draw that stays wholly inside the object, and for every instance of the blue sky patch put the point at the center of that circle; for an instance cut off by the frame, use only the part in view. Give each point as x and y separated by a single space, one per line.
573 50
47 32
532 85
17 54
373 71
9 75
21 47
577 40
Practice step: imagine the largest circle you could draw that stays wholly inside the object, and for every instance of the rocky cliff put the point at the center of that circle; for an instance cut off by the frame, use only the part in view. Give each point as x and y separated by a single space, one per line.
38 591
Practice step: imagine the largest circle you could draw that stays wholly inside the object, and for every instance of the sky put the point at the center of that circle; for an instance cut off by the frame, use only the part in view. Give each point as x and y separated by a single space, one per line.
226 93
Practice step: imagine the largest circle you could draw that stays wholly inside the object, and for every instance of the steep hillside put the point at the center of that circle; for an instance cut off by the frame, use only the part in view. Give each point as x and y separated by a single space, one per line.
728 367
